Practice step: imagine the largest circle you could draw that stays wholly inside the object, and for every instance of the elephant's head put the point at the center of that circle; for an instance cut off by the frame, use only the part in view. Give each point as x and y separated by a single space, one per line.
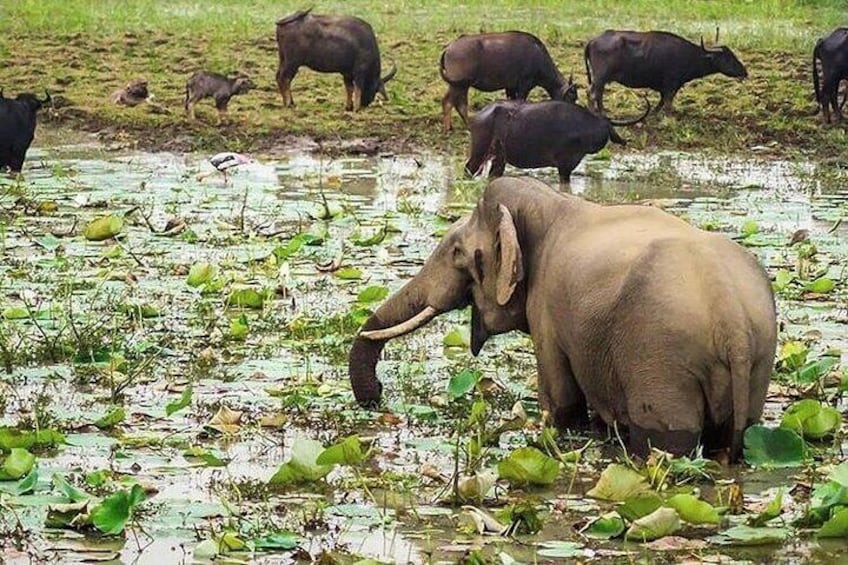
479 262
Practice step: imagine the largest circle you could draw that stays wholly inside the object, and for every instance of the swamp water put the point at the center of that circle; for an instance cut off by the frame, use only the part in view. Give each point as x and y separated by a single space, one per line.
111 324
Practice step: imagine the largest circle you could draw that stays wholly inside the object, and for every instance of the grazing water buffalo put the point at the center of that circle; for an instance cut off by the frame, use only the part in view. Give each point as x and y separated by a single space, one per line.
658 60
539 134
17 128
204 84
832 51
514 61
331 44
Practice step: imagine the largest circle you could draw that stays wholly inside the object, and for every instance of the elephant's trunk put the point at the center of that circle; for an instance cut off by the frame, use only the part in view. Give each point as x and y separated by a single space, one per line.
403 312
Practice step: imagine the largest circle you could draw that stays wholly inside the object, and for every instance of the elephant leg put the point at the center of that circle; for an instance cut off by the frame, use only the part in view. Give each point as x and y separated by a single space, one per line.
560 398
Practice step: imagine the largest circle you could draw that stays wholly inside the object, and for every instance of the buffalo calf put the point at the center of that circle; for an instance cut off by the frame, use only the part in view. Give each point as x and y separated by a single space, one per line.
17 128
529 135
832 51
513 61
657 60
331 44
204 84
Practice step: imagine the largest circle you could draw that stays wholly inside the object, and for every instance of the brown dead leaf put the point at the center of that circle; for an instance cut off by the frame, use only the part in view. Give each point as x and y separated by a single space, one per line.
226 421
676 543
277 420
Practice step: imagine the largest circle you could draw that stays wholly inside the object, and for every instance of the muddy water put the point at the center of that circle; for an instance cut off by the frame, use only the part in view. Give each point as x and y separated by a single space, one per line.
237 225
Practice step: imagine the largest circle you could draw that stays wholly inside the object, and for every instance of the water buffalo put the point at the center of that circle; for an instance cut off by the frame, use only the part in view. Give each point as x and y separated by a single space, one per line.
832 51
658 60
514 61
331 44
133 94
17 128
539 134
204 84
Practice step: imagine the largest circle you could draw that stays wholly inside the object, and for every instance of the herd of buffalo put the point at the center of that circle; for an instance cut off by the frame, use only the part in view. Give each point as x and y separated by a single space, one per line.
588 283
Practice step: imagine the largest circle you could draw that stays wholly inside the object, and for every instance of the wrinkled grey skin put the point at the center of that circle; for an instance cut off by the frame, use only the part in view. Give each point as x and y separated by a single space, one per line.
658 60
514 61
660 327
204 84
832 51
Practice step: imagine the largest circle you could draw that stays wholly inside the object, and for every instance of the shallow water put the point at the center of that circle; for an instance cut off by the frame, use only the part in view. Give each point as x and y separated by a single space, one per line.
237 226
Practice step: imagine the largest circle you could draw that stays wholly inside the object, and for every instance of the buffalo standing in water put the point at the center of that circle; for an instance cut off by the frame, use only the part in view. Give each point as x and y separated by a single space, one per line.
529 135
832 51
514 61
17 127
658 60
331 44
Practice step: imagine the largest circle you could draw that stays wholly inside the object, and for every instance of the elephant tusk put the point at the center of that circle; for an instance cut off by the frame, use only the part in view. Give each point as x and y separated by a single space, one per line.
398 330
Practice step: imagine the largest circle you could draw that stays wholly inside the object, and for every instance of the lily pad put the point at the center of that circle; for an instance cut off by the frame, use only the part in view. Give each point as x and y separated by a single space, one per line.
111 418
608 526
246 297
463 382
774 447
659 523
16 464
183 401
103 228
113 513
618 483
200 274
746 535
640 504
693 510
811 419
837 526
346 452
528 465
561 549
372 294
303 466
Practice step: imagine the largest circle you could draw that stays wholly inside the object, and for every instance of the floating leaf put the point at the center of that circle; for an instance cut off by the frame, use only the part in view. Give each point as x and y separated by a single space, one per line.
746 535
837 526
179 404
821 285
782 279
618 483
69 490
105 227
749 228
463 382
346 452
113 513
200 274
372 294
16 313
640 504
812 371
246 297
456 338
474 488
23 486
775 447
239 328
17 463
839 474
608 526
111 418
302 467
279 541
811 419
771 511
693 510
208 457
374 239
661 522
528 465
561 549
793 355
43 438
348 274
225 420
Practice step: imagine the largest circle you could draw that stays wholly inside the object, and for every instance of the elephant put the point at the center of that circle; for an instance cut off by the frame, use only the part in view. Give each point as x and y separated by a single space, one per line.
661 328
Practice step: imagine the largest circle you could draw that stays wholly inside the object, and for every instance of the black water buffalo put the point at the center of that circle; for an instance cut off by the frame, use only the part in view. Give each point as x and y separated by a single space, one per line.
514 61
17 128
331 44
204 84
658 60
529 135
832 51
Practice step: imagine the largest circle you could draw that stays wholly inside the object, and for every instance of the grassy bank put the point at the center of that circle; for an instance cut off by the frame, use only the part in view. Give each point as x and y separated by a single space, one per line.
82 50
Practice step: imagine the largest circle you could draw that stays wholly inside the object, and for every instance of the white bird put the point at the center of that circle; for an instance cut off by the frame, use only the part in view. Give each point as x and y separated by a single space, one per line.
225 161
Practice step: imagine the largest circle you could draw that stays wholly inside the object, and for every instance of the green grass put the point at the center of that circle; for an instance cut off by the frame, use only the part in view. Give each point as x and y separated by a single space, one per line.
82 50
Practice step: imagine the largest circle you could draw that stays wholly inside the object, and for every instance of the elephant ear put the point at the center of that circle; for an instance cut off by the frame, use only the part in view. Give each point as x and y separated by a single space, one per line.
510 261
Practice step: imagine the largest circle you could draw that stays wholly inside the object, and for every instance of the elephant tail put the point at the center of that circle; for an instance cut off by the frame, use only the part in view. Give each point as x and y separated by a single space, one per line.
740 380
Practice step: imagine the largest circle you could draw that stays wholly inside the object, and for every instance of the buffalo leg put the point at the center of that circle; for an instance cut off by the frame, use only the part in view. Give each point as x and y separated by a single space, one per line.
447 106
221 106
348 82
666 102
565 168
596 96
16 161
461 102
284 78
830 93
